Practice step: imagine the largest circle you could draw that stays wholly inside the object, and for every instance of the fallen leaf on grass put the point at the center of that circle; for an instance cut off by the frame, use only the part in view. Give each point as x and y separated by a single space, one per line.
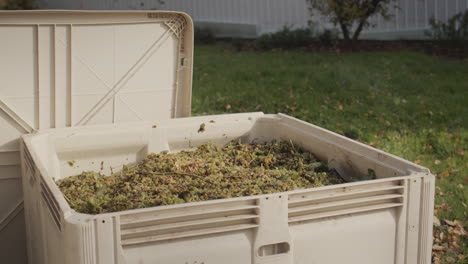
450 260
448 222
459 230
445 173
455 245
441 207
437 260
438 248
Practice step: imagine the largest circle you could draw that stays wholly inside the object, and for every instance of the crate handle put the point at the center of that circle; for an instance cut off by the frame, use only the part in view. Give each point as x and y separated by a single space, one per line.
274 249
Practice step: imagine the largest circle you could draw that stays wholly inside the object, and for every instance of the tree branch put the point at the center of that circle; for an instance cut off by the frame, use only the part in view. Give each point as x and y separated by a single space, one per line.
365 17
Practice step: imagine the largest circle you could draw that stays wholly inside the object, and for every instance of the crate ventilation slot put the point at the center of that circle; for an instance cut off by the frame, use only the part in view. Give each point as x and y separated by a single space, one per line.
51 203
171 224
308 206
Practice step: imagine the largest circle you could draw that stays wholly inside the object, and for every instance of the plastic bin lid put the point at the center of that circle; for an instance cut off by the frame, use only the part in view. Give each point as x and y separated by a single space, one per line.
77 68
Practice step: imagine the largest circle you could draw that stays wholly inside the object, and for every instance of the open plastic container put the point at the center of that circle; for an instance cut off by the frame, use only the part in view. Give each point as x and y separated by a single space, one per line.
69 68
385 221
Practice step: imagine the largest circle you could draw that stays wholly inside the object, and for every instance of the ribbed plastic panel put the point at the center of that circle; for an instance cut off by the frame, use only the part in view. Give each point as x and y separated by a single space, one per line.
342 201
196 221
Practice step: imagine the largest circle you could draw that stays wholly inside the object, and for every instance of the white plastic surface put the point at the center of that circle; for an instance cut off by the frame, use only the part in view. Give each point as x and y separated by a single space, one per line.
384 221
77 68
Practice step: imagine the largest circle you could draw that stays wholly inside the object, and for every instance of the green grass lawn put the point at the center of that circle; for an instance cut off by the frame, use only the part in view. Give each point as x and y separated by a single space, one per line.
409 104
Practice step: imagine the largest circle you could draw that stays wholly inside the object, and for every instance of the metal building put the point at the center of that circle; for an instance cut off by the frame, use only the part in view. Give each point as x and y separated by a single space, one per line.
251 18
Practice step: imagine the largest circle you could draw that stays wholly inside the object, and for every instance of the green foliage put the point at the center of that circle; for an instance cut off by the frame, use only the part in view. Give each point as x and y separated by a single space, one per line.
285 39
350 14
204 36
328 37
17 4
288 38
456 28
238 44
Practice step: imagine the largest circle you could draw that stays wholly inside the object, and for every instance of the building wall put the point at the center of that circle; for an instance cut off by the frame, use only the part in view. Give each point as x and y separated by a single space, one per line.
409 21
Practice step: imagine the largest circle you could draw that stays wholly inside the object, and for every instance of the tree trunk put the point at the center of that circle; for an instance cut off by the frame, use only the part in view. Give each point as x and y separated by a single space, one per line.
362 22
344 26
346 35
359 29
345 31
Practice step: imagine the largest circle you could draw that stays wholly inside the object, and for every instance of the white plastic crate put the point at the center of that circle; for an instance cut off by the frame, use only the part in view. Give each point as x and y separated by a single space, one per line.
385 221
75 68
